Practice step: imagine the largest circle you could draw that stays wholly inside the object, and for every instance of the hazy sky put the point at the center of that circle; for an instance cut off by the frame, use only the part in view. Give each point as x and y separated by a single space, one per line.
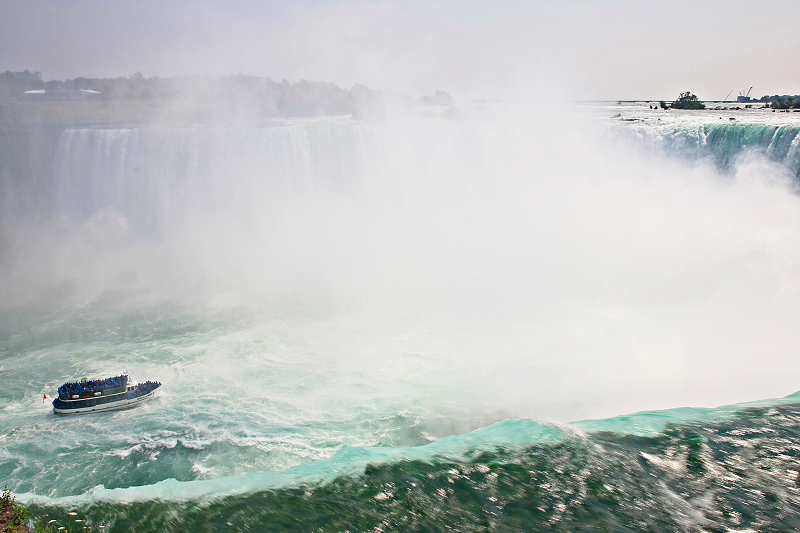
513 49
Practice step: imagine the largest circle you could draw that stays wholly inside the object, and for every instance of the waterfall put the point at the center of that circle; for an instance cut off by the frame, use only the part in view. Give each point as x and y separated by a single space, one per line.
154 175
725 144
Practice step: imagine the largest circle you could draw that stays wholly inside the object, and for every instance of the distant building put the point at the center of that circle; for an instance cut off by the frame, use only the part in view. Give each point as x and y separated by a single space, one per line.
744 99
28 75
61 95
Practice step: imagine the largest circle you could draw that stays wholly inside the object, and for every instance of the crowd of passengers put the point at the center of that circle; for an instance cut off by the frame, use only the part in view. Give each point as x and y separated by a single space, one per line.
79 387
147 386
142 388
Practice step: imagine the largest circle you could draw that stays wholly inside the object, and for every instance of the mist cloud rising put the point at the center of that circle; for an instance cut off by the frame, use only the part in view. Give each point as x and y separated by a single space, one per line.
569 267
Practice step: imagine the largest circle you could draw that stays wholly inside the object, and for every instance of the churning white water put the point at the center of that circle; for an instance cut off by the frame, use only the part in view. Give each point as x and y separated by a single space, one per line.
300 285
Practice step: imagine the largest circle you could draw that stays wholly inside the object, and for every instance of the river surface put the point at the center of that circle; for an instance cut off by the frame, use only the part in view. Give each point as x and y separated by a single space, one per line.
430 323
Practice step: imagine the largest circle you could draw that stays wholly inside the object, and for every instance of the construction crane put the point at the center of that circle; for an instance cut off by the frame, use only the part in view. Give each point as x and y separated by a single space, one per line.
744 96
726 98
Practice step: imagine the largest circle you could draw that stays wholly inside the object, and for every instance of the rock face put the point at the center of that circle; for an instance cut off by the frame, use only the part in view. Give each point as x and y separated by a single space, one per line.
440 98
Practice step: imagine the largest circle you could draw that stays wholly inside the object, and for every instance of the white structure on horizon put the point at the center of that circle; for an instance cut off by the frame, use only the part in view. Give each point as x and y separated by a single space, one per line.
64 94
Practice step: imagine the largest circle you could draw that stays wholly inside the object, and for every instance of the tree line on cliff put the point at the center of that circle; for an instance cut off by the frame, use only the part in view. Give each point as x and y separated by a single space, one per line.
235 95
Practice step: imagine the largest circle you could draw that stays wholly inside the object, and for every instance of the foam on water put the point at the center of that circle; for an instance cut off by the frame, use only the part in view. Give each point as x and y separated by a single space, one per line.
321 295
352 461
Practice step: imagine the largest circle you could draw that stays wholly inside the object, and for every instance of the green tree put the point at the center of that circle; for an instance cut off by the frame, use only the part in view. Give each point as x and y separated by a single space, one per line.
785 103
687 101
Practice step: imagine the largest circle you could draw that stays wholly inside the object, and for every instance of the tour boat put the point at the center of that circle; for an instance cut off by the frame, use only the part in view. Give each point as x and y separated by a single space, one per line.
110 394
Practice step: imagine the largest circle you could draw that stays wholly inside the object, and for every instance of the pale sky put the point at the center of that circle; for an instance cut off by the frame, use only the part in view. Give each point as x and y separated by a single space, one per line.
615 49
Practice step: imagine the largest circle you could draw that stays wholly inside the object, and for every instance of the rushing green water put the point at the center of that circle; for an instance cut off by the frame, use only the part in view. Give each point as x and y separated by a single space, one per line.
728 143
724 143
740 473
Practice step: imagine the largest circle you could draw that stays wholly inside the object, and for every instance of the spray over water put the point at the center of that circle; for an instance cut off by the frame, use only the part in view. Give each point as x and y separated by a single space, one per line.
305 288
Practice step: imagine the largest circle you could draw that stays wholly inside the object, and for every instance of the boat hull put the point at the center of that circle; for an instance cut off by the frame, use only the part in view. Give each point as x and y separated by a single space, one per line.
110 406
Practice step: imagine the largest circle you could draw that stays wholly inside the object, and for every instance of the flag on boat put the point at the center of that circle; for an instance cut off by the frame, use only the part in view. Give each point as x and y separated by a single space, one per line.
45 397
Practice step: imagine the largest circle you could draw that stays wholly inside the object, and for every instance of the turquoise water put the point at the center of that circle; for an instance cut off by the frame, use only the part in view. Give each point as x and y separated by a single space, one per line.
725 143
709 476
726 138
409 326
